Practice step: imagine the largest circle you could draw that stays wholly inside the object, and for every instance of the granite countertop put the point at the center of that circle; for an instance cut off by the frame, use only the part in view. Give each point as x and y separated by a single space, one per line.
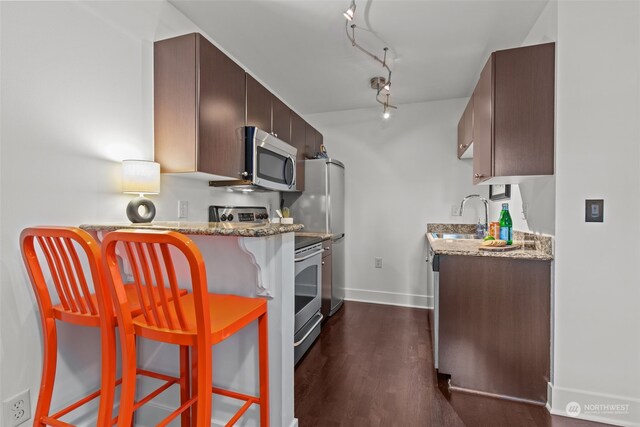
203 228
534 246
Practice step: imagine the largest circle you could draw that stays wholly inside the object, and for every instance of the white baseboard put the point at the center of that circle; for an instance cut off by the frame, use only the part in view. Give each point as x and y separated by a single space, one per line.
388 298
600 407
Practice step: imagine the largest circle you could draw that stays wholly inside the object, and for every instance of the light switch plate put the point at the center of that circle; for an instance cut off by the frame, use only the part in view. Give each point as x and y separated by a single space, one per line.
594 210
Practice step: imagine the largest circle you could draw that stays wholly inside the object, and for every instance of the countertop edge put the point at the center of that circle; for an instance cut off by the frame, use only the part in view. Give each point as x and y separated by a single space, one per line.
201 229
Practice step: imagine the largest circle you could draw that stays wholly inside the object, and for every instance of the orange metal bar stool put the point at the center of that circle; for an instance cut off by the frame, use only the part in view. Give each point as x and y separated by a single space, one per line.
198 320
59 246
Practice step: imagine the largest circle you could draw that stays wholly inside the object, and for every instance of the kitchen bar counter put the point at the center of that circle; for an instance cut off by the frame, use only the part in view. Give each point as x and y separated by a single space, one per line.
533 246
203 228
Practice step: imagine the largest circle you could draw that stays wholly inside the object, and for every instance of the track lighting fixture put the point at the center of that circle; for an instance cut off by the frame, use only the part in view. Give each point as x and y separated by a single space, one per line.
382 85
350 13
386 113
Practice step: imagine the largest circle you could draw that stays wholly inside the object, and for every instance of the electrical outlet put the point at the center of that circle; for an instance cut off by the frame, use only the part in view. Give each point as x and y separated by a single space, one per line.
455 210
183 209
525 210
378 263
17 409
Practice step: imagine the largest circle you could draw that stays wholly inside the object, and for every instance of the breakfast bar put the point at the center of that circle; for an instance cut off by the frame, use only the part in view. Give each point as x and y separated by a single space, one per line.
254 260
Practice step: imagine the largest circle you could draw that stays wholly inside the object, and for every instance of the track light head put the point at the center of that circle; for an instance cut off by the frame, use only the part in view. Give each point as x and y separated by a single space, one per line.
351 12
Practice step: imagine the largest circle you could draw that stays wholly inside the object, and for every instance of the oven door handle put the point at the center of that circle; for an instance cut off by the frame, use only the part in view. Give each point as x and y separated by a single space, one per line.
297 343
308 256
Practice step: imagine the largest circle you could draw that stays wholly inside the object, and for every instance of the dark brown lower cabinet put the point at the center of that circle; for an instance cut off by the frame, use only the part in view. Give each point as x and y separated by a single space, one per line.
494 325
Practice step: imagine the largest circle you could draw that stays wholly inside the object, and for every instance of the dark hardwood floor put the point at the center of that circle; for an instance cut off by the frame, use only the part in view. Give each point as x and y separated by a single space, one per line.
373 366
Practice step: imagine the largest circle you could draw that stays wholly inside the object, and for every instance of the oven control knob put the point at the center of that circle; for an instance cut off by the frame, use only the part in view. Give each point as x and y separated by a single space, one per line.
223 217
230 217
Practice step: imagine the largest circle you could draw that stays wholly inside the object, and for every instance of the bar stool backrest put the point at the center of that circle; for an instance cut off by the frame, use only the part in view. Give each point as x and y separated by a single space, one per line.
71 286
148 255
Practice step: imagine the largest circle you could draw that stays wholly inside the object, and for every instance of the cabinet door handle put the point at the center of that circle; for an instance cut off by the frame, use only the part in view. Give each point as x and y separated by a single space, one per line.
244 173
461 146
322 262
478 175
327 248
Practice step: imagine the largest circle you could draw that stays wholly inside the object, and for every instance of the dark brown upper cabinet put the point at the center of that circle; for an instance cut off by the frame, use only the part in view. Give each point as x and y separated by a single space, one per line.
298 140
280 120
513 115
465 132
199 107
482 131
258 105
313 141
266 111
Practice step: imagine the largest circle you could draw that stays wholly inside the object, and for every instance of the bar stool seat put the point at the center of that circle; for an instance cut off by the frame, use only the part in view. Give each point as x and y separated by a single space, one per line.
229 314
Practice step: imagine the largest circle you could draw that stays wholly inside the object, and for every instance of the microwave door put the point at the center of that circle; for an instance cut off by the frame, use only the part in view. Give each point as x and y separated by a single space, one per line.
274 170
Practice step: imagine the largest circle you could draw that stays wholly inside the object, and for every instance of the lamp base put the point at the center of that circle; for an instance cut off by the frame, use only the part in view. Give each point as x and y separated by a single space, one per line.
133 210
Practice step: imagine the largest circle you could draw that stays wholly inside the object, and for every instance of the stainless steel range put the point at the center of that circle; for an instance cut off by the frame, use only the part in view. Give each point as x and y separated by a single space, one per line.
308 274
308 282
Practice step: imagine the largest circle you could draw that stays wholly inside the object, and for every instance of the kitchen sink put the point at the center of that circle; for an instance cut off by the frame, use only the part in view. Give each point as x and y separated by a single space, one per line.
453 236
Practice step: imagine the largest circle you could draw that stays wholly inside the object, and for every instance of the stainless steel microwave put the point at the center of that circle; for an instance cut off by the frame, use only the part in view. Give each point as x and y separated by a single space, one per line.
269 163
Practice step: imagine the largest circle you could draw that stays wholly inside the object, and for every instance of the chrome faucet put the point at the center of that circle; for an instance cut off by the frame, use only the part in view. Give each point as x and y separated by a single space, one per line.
486 209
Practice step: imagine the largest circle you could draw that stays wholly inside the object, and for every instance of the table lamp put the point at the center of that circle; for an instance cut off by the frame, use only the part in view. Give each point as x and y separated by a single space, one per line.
140 177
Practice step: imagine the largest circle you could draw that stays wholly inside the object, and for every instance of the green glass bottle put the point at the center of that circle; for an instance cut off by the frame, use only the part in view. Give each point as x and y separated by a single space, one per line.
506 225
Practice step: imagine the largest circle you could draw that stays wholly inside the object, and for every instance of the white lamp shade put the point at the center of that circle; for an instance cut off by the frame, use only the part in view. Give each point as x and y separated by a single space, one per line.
140 177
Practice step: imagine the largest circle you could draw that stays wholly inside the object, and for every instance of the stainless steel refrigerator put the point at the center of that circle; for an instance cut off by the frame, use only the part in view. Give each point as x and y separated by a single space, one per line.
321 208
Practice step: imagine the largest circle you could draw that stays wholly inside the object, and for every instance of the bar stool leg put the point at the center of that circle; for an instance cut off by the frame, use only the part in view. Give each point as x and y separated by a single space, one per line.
185 392
49 361
128 387
108 373
263 344
202 381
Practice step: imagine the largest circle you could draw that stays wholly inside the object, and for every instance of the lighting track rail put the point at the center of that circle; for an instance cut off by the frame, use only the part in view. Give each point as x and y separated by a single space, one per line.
380 84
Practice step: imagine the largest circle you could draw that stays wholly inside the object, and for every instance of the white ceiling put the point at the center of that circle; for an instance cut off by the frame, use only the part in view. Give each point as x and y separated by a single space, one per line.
299 48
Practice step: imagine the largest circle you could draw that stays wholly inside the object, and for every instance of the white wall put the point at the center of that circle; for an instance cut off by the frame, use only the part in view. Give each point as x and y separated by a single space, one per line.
77 97
401 174
597 301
